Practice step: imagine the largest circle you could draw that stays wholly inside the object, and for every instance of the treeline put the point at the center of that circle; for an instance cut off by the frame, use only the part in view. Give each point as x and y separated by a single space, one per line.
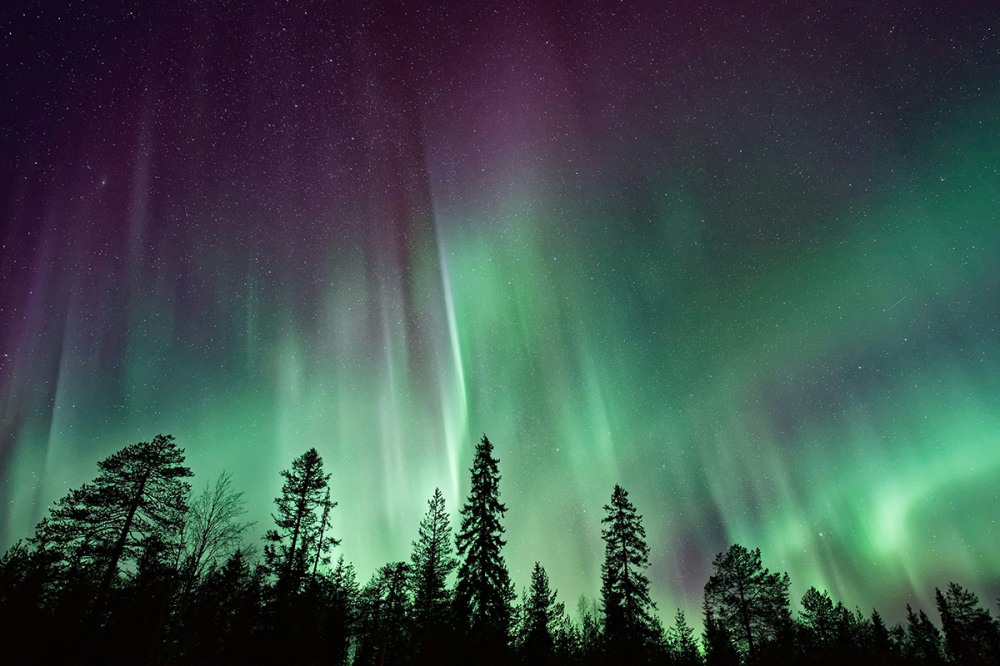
133 568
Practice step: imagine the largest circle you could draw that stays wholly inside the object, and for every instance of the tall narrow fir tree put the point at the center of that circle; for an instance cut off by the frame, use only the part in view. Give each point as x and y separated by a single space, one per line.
628 624
483 593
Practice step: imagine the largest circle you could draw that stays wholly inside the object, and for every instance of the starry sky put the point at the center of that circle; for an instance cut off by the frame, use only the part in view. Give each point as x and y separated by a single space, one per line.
739 257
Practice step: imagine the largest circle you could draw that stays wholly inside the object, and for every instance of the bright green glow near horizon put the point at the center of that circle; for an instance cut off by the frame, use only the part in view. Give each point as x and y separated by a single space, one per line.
836 403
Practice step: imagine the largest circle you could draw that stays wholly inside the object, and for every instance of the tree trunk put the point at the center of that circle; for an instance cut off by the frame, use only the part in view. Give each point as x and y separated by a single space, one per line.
745 616
116 554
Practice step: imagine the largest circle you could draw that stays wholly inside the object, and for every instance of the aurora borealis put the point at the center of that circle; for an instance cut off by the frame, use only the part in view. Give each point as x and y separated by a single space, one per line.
741 258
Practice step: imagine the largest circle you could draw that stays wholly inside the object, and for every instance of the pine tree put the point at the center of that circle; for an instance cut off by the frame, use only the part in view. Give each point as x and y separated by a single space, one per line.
970 634
299 539
817 621
747 600
323 541
431 563
628 624
483 592
139 493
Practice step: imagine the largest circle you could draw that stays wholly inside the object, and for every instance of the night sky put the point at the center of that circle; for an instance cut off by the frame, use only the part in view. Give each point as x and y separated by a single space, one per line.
741 258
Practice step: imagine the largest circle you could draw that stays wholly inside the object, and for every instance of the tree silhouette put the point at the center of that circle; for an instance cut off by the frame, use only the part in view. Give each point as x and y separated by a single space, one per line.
628 624
343 602
923 639
719 648
431 562
970 634
682 643
590 627
385 612
831 632
298 539
748 601
883 646
136 621
483 592
566 636
817 626
323 542
223 619
23 575
539 614
212 529
139 493
172 587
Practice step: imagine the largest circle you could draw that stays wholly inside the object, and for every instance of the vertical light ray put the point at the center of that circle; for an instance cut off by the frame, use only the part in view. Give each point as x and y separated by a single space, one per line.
454 398
393 396
291 402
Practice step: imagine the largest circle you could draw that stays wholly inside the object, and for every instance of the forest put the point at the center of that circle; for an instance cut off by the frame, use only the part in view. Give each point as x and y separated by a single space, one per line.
135 568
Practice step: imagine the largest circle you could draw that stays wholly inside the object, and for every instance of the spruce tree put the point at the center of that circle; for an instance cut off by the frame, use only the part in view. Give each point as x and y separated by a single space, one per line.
431 562
628 623
483 592
923 639
683 646
539 613
300 535
139 494
882 645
